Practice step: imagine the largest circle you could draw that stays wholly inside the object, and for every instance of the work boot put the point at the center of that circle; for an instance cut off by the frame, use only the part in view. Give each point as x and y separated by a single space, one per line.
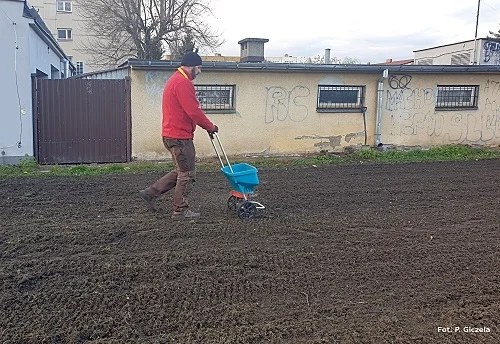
185 214
150 201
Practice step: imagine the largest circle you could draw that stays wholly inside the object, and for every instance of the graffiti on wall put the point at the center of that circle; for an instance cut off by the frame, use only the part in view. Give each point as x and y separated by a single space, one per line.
492 87
154 83
491 52
282 104
456 127
409 99
419 123
399 81
409 116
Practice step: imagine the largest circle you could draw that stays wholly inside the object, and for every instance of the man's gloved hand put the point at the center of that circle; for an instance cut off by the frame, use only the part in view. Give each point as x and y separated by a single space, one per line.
215 130
212 132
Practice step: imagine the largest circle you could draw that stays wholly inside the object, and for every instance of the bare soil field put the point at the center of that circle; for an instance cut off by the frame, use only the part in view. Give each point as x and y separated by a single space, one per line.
367 253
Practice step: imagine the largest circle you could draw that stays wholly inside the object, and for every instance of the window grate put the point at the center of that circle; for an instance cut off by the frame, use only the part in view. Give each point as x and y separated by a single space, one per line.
216 98
331 98
457 97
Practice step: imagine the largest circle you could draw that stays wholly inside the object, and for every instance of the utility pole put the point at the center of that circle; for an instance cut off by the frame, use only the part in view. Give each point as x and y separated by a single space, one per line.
475 36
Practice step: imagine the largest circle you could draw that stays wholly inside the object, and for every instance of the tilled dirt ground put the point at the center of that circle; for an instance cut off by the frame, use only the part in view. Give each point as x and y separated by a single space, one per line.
405 253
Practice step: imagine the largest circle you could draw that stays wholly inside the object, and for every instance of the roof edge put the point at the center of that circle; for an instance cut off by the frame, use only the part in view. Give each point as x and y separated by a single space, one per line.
467 41
300 67
43 31
261 40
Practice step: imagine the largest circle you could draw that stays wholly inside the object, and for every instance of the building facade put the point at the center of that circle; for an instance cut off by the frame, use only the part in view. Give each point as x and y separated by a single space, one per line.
29 52
280 109
483 51
67 26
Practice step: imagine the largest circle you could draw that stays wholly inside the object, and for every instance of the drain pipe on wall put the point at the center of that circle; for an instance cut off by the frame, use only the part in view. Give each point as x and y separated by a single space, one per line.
363 109
380 96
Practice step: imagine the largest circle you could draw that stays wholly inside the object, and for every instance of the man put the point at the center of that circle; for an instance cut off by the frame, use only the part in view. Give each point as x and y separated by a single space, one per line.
181 114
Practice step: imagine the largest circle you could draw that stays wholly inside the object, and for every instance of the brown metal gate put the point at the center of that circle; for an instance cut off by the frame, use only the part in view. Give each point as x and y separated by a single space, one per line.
82 121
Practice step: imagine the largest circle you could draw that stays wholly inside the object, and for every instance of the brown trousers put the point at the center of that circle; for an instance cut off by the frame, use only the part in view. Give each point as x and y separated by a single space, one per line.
183 177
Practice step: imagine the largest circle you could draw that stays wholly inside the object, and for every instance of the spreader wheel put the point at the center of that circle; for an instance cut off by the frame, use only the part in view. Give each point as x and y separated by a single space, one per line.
232 202
247 210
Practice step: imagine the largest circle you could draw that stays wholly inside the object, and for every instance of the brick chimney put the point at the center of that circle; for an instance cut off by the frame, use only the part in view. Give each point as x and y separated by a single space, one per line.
252 49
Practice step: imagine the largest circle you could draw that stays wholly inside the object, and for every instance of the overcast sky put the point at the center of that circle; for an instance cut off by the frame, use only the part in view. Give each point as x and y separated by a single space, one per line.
369 30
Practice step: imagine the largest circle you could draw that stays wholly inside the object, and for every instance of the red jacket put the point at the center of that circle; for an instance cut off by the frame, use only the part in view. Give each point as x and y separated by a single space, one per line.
181 109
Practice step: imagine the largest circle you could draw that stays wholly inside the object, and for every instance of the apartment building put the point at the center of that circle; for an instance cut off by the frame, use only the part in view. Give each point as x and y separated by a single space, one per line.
64 21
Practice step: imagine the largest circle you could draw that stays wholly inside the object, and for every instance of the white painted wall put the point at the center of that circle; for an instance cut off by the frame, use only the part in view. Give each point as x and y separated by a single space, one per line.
276 112
16 137
482 52
23 53
42 57
410 117
488 52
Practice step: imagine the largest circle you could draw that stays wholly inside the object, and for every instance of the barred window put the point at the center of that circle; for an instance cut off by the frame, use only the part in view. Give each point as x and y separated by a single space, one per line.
334 98
216 98
456 97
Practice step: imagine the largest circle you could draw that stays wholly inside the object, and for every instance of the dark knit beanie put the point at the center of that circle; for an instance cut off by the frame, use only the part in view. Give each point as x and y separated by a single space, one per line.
191 59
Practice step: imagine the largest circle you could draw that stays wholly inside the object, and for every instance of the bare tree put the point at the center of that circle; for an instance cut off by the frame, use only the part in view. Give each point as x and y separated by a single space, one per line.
184 44
350 60
144 29
494 34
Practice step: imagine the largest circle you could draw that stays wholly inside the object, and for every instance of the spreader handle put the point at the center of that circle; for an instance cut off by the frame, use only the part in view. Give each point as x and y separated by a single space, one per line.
211 135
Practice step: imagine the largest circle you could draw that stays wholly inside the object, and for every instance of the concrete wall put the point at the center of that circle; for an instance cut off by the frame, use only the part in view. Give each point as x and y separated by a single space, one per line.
276 113
16 134
487 52
410 118
255 49
443 55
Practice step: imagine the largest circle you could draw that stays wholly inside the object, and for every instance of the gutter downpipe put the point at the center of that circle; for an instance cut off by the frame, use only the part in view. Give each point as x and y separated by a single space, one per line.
66 69
378 129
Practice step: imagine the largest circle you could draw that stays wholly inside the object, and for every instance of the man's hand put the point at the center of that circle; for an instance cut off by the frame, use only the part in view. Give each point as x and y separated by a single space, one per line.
212 132
215 130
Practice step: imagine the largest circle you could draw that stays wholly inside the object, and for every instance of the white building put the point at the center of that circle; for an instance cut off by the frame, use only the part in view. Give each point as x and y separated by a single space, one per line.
283 59
64 21
29 51
483 51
